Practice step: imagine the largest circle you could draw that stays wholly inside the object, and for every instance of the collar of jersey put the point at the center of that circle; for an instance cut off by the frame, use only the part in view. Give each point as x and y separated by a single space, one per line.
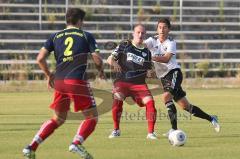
138 47
164 40
71 28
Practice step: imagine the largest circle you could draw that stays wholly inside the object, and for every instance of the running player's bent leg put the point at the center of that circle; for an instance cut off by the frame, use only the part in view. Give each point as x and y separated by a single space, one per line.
194 110
197 112
48 128
87 126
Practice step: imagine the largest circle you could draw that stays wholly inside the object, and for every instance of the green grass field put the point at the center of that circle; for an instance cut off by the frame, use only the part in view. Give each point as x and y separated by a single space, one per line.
21 115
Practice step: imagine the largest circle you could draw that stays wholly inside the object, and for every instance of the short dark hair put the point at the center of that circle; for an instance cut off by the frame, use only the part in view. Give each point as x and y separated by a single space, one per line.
73 15
166 21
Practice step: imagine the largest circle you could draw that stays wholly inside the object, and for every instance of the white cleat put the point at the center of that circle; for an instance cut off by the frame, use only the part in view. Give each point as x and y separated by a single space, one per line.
79 149
167 133
215 123
28 153
114 134
152 136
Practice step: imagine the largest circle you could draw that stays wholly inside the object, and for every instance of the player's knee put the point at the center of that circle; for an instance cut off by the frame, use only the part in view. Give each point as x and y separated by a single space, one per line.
150 110
166 96
178 95
93 119
60 117
59 120
95 116
150 105
91 114
147 99
188 108
118 96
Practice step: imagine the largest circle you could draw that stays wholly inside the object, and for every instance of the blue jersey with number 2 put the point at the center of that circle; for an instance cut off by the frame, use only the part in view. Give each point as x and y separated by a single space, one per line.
71 48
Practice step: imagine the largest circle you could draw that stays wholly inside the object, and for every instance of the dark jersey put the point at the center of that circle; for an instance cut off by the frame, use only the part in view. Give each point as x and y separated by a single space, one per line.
134 62
71 48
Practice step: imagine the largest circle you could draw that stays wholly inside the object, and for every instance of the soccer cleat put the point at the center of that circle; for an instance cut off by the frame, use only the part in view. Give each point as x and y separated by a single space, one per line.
28 153
215 123
152 136
79 149
114 134
167 133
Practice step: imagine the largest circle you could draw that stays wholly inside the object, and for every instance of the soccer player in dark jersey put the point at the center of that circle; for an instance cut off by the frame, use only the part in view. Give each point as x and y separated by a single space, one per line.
71 48
131 60
167 69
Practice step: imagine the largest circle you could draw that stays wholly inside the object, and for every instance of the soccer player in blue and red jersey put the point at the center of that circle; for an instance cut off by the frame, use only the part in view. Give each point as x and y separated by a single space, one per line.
71 48
131 60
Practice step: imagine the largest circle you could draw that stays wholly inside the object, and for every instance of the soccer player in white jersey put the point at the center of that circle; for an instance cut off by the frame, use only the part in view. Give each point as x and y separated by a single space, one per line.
163 49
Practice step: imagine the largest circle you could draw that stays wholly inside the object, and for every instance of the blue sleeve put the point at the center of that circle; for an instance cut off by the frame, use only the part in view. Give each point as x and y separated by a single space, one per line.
49 44
93 47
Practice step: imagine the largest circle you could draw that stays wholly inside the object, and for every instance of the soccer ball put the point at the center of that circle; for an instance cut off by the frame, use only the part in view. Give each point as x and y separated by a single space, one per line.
177 138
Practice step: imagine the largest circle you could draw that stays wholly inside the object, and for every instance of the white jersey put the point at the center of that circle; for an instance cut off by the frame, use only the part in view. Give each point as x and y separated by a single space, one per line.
159 49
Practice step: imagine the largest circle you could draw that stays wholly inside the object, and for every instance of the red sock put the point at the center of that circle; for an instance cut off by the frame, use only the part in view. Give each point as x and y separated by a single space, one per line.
46 130
84 130
151 115
117 112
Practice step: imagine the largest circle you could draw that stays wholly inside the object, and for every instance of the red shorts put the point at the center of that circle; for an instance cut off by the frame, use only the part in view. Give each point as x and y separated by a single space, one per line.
136 91
76 90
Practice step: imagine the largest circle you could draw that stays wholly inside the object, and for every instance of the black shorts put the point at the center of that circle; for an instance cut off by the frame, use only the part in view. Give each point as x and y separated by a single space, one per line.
172 83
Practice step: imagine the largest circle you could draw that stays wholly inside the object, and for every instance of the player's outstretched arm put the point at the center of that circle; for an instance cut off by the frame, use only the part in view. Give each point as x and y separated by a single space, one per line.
42 62
99 64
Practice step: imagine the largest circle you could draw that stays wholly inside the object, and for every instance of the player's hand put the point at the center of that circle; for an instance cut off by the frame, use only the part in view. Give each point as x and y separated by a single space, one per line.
151 73
155 58
117 67
50 80
101 75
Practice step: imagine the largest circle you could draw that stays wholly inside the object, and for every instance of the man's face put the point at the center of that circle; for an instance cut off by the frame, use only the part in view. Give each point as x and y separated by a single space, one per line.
163 30
139 34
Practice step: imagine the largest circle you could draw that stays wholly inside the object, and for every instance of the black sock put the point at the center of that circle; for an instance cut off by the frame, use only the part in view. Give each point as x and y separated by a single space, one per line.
197 112
172 113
